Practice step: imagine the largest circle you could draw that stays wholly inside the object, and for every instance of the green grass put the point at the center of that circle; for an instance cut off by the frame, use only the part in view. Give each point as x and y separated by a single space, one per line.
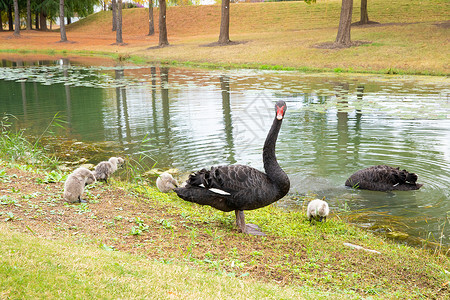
35 268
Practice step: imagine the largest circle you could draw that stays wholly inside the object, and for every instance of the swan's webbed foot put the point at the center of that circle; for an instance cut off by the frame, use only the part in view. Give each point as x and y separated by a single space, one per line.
246 228
253 230
81 200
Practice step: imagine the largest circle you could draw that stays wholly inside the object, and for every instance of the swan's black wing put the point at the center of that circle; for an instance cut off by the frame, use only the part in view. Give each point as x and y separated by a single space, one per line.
382 178
389 175
229 188
236 178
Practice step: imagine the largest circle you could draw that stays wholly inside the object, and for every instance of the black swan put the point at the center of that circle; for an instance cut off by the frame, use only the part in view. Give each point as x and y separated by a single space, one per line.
383 178
238 187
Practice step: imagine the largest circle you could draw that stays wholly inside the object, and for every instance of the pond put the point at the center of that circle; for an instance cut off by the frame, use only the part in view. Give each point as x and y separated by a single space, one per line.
189 118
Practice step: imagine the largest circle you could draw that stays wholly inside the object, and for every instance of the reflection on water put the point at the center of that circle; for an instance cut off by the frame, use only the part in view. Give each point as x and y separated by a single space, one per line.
189 119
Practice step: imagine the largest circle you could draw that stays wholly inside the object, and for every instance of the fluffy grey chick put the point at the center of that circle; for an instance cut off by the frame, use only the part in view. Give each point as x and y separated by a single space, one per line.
74 185
317 210
166 182
105 168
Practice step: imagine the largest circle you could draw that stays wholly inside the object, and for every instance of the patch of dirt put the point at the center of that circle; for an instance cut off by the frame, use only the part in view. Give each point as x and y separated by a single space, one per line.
66 42
230 43
159 47
334 45
369 23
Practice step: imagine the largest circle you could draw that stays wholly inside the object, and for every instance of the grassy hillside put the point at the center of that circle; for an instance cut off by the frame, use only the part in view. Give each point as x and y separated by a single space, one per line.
269 17
410 38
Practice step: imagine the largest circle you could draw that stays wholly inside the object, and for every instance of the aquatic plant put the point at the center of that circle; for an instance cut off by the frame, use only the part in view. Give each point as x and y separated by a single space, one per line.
137 164
15 147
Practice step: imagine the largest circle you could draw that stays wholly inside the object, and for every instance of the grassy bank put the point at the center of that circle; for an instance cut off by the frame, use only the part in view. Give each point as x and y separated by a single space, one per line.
132 241
410 38
34 268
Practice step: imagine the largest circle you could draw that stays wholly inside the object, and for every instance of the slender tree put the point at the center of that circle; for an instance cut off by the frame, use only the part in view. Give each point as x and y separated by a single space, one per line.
36 21
16 18
151 26
114 14
28 14
224 36
163 41
62 27
343 35
364 17
3 7
10 17
119 39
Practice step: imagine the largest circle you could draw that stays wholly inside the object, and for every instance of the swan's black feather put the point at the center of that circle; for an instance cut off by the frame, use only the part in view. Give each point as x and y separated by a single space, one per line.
248 187
383 178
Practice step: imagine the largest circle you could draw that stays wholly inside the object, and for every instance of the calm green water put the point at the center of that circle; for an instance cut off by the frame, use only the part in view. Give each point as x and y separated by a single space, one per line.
190 119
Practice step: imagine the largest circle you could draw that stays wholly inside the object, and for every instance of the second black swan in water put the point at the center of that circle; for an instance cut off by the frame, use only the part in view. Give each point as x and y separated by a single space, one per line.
383 178
238 187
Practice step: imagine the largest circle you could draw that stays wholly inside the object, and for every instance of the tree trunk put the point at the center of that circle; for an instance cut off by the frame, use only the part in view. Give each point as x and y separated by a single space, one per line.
16 18
62 27
343 35
114 15
162 24
36 21
69 20
151 26
1 21
364 15
10 18
28 14
224 36
43 21
119 39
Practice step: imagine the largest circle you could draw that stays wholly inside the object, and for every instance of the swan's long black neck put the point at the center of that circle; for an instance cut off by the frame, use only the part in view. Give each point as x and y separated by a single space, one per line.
271 166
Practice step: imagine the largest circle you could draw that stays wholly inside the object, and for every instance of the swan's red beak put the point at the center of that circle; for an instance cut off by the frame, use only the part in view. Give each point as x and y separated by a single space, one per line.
280 112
